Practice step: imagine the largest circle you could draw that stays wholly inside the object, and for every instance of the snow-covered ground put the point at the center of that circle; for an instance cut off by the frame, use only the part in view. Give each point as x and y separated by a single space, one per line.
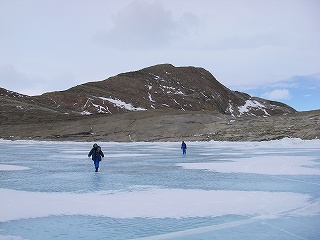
218 190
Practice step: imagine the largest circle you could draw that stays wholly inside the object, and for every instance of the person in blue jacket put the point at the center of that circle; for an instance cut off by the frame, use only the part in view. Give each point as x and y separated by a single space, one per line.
96 154
184 147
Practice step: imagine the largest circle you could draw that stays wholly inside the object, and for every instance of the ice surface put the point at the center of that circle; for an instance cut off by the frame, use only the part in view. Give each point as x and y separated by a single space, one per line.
219 190
6 167
151 203
272 165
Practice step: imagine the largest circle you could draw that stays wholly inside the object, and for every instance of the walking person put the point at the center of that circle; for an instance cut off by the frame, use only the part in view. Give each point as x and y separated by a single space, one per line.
96 154
184 147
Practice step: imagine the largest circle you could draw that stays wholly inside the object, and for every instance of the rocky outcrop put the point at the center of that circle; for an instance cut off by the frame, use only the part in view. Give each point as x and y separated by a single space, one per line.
163 125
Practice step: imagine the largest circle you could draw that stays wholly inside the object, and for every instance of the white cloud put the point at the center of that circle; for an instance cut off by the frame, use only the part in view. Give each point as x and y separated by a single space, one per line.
15 80
145 25
278 94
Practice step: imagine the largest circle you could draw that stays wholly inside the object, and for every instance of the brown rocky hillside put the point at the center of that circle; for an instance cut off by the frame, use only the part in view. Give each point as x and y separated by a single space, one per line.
161 102
159 87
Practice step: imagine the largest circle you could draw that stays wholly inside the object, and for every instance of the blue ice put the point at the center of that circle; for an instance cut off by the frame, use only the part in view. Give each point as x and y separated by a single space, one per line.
218 190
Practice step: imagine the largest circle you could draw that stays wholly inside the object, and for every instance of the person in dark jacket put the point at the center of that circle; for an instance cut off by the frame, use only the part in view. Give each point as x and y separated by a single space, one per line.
184 147
96 154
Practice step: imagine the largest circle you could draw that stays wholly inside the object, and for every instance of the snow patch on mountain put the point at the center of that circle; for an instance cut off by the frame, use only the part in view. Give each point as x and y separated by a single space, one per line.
102 109
121 104
86 112
171 90
156 77
248 108
249 105
5 92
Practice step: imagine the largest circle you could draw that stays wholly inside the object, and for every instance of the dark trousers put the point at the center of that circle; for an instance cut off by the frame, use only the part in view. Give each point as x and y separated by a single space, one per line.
96 163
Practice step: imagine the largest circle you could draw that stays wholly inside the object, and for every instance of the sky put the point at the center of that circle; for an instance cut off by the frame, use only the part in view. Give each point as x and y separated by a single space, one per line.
266 48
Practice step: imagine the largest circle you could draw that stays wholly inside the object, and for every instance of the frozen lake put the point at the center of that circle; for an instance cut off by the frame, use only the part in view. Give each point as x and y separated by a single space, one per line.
218 190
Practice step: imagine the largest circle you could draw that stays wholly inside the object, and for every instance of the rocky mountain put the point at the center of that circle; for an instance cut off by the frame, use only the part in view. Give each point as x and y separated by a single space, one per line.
135 104
157 87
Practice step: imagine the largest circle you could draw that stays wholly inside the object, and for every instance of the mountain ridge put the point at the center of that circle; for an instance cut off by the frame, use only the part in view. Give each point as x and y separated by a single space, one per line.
158 92
159 87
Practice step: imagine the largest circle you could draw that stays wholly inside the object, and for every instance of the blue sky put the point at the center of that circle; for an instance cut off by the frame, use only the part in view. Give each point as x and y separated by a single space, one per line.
299 92
267 48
